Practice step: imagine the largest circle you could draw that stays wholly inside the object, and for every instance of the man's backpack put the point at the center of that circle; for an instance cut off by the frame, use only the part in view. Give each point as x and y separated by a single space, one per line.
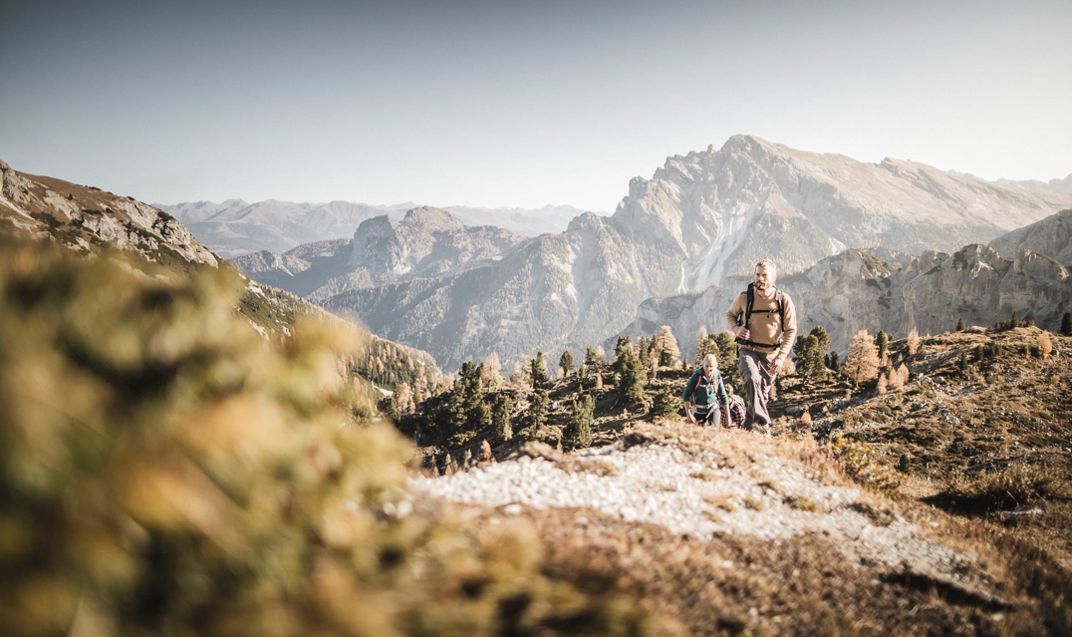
779 301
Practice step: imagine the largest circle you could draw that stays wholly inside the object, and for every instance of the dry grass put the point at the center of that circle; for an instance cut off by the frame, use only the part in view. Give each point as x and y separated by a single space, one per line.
723 502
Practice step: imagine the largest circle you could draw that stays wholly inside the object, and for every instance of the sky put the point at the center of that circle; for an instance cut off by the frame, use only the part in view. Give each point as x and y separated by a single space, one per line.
522 104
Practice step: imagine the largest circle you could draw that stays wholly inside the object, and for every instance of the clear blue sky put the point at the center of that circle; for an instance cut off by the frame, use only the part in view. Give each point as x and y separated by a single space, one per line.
516 103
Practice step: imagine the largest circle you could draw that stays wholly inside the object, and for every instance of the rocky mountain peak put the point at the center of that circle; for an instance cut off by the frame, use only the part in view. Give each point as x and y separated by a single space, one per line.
723 210
432 219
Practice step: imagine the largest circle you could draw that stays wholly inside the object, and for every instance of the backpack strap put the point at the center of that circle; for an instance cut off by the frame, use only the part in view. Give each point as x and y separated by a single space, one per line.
779 301
751 295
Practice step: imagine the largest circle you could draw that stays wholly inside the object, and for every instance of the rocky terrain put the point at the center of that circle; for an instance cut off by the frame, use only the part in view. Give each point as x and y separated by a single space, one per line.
87 220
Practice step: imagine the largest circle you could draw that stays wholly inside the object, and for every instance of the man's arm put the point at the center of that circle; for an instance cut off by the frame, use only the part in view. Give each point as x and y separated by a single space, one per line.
789 336
736 309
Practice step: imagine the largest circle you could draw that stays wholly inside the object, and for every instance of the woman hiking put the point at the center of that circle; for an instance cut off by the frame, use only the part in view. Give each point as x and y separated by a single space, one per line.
706 400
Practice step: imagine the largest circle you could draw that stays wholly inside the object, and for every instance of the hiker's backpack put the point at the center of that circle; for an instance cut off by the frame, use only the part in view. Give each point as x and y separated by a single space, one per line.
779 301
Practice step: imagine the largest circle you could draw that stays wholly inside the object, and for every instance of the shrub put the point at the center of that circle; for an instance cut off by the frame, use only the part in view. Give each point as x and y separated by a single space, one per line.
1045 344
165 470
860 462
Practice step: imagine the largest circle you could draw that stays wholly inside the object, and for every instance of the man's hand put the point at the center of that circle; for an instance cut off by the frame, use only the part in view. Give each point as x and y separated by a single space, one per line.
726 422
775 365
742 332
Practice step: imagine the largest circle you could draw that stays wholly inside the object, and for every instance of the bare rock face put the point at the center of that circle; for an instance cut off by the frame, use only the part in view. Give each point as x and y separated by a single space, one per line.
723 210
87 219
546 294
1051 236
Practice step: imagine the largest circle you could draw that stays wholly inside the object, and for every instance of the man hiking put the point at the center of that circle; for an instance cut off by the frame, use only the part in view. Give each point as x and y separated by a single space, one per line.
765 323
705 395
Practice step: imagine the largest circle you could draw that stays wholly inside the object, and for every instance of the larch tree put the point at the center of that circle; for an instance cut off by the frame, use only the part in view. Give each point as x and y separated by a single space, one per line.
862 362
666 346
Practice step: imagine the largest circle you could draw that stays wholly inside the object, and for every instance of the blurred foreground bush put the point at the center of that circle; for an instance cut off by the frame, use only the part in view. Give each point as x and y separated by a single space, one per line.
164 470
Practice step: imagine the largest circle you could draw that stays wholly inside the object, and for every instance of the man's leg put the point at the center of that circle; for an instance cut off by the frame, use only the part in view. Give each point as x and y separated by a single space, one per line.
756 380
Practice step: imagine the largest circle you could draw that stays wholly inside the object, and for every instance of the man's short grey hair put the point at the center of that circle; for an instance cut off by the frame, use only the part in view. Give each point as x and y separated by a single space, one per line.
767 262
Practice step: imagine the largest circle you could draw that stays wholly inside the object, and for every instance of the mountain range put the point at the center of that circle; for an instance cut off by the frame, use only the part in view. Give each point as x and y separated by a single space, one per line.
234 227
701 220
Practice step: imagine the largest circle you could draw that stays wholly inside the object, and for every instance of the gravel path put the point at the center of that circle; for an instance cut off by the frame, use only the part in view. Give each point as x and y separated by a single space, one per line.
695 496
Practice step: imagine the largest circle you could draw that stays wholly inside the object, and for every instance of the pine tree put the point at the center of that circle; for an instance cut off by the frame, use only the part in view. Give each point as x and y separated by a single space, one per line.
1066 324
960 324
538 372
565 363
809 359
861 362
882 341
404 398
500 416
832 362
630 372
665 402
726 350
1045 344
578 431
820 333
591 361
521 376
536 415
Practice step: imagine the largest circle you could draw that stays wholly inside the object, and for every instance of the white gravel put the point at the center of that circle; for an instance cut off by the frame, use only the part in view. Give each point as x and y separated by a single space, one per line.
665 486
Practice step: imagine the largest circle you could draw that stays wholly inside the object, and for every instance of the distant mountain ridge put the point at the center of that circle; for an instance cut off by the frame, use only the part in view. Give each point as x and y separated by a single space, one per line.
235 227
1053 185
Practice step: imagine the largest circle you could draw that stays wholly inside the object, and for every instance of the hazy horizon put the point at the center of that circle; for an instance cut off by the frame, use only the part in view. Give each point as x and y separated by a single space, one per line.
520 105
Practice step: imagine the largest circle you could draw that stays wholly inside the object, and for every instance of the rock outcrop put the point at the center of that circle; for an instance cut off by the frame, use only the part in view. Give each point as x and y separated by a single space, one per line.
87 219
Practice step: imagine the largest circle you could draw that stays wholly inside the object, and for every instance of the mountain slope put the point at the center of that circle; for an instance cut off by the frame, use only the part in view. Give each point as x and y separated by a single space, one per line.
1051 236
86 220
